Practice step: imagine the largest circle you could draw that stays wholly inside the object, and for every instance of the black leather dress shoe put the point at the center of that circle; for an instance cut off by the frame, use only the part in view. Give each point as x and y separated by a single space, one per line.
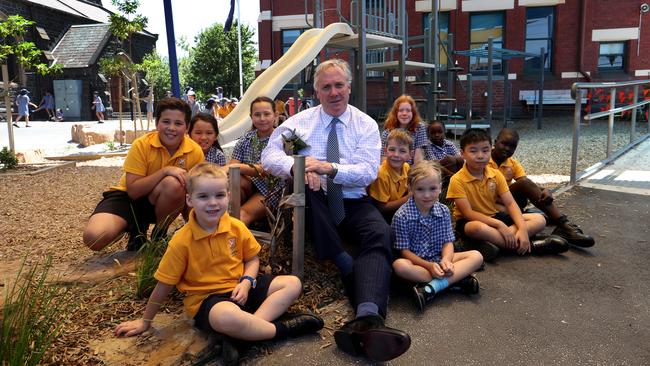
573 234
368 337
299 324
551 245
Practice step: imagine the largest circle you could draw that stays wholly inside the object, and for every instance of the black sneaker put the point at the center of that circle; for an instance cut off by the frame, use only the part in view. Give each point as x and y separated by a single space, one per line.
423 294
551 245
573 234
137 239
468 285
488 250
299 324
229 352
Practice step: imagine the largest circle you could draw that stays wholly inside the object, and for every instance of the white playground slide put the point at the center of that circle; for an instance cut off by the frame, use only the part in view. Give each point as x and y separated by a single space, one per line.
271 81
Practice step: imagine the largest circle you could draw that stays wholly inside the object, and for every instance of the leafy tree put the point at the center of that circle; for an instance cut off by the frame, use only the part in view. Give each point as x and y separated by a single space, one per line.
123 26
214 61
156 72
27 54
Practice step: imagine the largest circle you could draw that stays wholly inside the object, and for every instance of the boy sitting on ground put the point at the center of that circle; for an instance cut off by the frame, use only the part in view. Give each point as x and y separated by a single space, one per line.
213 260
424 238
475 189
523 189
152 187
390 191
441 149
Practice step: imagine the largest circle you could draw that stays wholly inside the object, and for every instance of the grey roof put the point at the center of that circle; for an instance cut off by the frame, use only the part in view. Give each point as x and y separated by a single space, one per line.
78 8
81 45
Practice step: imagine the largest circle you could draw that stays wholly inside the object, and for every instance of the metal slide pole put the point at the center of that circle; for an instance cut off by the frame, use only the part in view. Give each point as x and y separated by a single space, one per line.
506 91
171 48
361 59
540 110
633 122
450 76
489 81
241 74
576 133
436 55
610 124
402 51
468 121
297 264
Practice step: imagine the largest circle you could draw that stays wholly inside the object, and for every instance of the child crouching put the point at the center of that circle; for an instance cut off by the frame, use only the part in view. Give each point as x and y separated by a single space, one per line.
213 261
424 238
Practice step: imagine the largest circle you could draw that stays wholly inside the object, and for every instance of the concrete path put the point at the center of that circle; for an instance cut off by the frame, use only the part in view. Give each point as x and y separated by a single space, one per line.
585 307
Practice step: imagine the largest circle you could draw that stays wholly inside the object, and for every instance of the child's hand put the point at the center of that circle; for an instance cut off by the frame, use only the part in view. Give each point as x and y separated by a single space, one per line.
177 173
240 293
131 328
447 267
523 242
436 271
508 237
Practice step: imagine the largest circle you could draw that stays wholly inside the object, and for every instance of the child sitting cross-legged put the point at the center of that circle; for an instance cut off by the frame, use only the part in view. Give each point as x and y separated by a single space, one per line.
424 238
213 260
475 190
390 191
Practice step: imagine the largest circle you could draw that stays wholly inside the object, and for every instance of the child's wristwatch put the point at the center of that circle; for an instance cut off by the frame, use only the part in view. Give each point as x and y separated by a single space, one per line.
253 281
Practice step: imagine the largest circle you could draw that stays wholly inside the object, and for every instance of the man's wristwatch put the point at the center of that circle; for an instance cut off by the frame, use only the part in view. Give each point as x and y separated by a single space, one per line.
253 281
335 169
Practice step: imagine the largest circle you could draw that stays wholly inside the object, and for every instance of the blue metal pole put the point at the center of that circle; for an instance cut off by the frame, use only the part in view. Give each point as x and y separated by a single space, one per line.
171 48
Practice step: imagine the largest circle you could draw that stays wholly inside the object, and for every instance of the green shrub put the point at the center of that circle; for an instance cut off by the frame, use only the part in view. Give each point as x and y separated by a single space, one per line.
31 316
8 159
149 257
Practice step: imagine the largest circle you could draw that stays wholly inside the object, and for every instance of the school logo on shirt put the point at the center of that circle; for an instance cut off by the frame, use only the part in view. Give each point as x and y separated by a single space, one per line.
181 163
232 243
492 185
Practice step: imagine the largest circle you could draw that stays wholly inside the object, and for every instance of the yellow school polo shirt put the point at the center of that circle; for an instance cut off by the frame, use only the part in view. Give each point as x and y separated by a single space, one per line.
147 155
389 185
510 168
200 263
481 194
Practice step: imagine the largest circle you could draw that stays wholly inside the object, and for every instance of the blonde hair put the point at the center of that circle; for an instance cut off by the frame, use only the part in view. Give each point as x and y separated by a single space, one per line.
424 169
204 169
401 137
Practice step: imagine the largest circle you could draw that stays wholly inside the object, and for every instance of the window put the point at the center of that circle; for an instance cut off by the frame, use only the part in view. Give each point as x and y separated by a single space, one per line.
289 37
484 26
443 29
540 24
611 56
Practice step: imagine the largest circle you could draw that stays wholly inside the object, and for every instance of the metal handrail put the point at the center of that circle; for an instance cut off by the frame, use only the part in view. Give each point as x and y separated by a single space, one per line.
576 93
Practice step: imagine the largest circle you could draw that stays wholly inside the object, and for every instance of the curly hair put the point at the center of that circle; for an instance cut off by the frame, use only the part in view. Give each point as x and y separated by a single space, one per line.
392 122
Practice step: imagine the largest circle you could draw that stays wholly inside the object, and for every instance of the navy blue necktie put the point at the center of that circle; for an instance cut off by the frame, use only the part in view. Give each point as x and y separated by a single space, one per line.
334 191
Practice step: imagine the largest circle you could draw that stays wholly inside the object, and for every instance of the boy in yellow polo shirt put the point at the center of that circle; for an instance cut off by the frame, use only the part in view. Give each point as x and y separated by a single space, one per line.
152 187
524 189
475 189
390 190
213 261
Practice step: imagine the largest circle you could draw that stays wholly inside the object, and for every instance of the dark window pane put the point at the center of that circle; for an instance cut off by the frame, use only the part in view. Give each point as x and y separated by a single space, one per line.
539 22
289 36
486 25
611 56
535 46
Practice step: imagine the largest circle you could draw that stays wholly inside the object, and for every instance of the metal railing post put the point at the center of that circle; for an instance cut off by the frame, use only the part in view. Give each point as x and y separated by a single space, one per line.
610 124
234 179
633 121
468 113
576 133
297 264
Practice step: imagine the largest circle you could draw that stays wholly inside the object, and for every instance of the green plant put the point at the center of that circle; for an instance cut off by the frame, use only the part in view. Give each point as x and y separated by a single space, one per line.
32 315
149 257
111 146
8 159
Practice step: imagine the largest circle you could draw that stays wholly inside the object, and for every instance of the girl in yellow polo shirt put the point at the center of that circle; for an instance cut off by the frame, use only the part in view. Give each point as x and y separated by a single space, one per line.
152 187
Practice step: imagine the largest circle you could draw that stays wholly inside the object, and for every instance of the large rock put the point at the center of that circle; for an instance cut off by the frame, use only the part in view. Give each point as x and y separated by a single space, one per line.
127 136
90 134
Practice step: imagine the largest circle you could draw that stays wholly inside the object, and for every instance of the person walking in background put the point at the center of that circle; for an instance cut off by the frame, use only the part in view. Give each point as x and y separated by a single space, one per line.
23 103
98 106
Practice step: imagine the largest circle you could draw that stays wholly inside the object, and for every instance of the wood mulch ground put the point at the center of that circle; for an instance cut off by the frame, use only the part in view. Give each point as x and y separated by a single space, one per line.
44 215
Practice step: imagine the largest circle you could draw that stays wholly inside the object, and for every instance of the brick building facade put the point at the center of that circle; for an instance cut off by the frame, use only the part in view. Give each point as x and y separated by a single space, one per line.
589 40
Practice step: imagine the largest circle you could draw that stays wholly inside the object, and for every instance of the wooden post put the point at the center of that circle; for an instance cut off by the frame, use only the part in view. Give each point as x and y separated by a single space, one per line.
234 178
119 109
298 262
7 86
138 111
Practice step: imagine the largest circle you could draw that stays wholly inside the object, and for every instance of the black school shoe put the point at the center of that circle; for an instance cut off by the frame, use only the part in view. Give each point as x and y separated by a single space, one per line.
423 295
299 324
229 352
551 245
573 234
468 285
368 337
